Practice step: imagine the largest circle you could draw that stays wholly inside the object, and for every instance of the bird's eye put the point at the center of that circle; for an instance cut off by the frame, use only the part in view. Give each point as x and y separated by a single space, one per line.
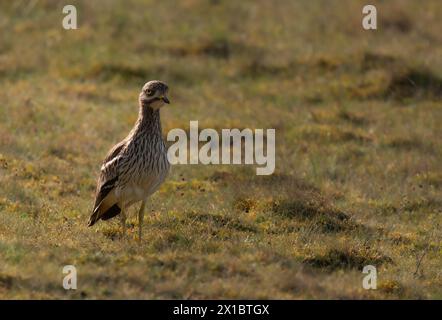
149 92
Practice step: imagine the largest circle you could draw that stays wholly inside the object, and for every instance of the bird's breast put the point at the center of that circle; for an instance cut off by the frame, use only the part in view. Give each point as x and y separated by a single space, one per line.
149 175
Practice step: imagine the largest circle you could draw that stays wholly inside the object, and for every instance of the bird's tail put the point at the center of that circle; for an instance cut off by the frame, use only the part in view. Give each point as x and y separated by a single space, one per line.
98 214
94 217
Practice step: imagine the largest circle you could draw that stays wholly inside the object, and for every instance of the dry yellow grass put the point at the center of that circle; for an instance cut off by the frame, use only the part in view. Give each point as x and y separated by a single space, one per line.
359 156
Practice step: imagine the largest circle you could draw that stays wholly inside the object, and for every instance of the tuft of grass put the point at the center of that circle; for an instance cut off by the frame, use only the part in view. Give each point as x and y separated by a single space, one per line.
402 143
431 178
391 287
319 215
357 149
6 281
347 258
330 134
374 60
414 82
352 117
218 48
126 73
220 221
245 204
398 22
304 210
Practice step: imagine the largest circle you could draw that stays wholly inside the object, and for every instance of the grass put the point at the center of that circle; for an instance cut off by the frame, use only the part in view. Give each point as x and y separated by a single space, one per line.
358 169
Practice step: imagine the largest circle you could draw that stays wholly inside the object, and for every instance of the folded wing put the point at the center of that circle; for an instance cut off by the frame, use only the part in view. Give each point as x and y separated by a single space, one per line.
106 202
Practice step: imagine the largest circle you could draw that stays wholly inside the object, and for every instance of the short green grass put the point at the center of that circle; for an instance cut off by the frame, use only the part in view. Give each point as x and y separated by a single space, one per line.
358 176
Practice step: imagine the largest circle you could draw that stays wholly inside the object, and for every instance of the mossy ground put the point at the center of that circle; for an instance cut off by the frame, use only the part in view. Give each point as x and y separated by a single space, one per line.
358 134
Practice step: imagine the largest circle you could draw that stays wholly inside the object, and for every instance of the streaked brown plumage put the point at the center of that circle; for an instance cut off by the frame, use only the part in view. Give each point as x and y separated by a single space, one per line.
135 167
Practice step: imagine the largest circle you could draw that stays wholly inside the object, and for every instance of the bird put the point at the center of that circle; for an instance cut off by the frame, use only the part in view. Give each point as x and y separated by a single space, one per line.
135 167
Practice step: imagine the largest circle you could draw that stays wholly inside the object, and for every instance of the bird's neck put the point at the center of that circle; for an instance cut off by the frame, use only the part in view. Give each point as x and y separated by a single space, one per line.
148 122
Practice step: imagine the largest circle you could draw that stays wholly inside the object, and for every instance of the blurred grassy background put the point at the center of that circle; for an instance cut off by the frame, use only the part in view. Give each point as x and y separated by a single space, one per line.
358 171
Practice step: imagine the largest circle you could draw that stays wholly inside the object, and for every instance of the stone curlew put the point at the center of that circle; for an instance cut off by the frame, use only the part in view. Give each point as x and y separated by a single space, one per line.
135 167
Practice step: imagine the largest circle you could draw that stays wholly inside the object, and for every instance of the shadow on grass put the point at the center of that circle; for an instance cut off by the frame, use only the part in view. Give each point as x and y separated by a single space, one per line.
138 75
317 214
414 83
220 221
347 258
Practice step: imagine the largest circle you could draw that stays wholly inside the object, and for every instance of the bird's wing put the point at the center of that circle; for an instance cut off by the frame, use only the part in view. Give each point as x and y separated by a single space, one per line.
109 172
115 151
108 178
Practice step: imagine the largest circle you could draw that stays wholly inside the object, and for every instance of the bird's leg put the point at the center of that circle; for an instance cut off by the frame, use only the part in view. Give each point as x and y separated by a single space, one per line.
123 219
140 219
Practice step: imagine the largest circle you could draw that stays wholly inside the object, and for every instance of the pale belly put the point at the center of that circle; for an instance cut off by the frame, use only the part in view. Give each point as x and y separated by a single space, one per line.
141 188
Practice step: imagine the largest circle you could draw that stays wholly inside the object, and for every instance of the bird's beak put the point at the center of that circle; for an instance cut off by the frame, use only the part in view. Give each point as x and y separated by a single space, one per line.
165 99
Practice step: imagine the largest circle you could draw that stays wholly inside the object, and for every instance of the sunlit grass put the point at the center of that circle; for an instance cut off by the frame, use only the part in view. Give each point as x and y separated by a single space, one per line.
357 118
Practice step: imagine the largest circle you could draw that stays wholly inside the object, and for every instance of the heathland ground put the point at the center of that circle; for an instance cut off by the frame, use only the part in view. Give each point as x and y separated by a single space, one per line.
358 176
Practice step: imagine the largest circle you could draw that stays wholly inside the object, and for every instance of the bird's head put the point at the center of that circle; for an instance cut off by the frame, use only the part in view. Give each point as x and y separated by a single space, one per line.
154 94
